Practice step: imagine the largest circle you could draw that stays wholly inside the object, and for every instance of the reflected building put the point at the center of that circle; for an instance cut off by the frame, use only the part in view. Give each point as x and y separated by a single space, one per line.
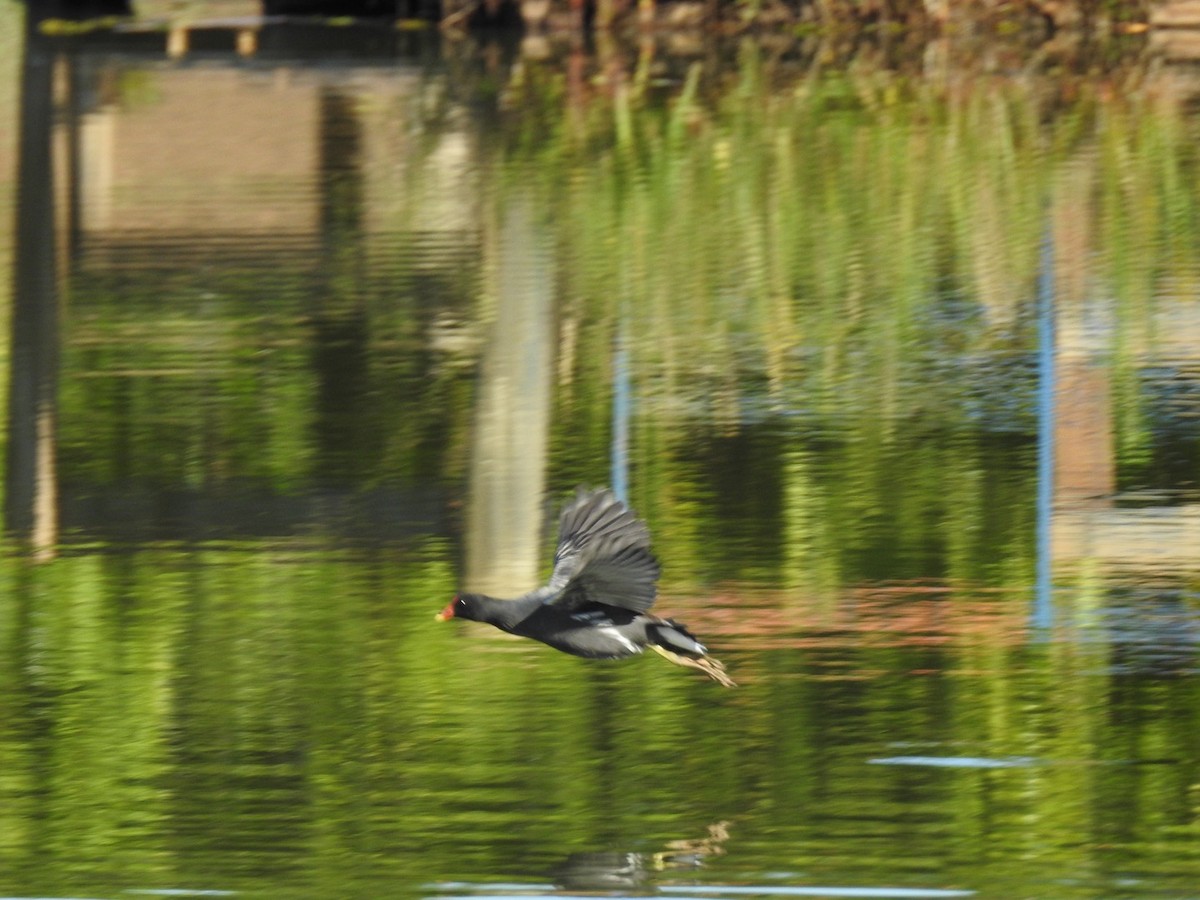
1092 519
1085 520
147 157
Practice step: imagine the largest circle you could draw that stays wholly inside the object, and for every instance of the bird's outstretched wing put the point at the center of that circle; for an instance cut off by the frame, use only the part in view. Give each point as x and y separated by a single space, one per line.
603 555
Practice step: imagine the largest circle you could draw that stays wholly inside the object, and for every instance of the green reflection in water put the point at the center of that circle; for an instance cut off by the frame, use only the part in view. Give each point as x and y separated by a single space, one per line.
826 279
269 717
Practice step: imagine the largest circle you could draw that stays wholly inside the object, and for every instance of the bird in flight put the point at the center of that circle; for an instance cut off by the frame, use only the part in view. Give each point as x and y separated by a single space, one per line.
597 602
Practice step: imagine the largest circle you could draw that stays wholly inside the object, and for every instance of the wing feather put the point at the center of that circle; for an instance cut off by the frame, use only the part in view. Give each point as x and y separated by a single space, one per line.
603 555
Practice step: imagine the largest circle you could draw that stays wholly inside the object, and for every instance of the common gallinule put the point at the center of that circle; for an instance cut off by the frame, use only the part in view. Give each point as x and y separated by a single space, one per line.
597 602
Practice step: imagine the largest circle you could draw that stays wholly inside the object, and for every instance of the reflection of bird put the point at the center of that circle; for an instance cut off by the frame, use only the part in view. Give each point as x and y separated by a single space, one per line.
631 871
596 603
601 871
692 852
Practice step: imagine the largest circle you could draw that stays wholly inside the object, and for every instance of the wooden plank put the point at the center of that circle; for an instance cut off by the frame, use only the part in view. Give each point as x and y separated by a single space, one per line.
1176 14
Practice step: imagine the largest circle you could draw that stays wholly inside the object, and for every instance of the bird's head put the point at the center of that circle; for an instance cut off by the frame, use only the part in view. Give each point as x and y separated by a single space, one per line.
458 608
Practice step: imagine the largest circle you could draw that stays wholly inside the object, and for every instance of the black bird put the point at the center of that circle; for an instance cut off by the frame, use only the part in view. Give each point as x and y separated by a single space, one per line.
597 602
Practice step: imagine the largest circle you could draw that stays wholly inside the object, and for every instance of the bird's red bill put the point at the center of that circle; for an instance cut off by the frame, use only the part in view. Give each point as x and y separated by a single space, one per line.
447 613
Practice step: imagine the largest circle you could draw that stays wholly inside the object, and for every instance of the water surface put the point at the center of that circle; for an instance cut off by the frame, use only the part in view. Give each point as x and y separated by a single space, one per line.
307 336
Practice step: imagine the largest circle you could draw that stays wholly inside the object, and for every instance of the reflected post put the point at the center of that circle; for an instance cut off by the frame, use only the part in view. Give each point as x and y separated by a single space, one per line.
31 493
346 439
1043 609
512 415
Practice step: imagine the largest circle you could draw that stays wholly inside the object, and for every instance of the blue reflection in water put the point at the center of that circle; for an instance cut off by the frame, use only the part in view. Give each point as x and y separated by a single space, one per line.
956 762
1043 611
818 891
620 426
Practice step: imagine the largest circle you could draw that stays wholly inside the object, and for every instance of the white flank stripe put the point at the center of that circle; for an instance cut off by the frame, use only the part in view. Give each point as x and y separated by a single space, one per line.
625 642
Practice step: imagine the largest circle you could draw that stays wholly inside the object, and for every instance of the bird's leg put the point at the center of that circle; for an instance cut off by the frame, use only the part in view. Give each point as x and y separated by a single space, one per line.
706 664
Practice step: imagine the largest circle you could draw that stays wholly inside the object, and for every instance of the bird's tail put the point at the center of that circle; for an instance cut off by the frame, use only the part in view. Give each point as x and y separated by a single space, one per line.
674 642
